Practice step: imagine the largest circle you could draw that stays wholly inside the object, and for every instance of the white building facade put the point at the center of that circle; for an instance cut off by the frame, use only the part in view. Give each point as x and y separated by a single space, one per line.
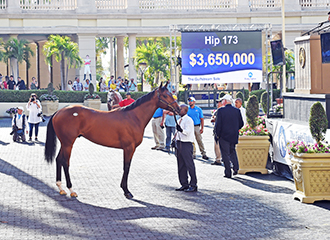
83 20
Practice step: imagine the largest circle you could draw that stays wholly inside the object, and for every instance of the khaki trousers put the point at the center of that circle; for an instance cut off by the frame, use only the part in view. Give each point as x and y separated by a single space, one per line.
159 135
217 151
199 140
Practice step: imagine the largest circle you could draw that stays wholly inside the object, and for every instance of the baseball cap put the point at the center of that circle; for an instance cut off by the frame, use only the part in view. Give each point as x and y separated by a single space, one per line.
21 108
192 99
128 93
227 97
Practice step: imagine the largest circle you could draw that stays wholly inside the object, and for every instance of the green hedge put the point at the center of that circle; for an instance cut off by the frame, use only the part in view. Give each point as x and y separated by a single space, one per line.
64 96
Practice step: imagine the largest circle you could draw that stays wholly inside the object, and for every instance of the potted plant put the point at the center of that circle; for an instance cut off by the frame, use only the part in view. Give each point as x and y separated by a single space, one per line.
11 111
49 101
92 100
253 143
311 162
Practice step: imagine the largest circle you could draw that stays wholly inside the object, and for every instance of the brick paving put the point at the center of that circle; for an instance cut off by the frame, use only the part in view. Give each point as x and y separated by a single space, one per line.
251 206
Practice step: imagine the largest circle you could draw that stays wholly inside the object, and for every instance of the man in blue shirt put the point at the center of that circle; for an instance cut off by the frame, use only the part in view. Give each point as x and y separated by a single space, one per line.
168 119
158 130
132 85
197 116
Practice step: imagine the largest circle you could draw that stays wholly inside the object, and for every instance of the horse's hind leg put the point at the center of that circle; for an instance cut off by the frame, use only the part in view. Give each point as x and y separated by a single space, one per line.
62 160
128 154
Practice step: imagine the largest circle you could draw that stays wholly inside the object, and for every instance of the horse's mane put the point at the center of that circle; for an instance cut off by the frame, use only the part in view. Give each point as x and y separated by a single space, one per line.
139 101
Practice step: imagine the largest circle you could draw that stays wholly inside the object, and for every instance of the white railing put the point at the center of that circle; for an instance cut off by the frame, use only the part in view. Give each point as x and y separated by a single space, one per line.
48 4
265 4
111 4
314 3
186 4
3 4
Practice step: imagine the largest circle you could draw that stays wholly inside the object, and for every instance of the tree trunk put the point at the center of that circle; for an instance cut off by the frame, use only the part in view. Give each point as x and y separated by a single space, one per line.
62 74
14 68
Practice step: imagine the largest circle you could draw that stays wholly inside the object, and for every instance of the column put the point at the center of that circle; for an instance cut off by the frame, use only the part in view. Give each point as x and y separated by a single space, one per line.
86 44
43 76
112 57
120 57
132 47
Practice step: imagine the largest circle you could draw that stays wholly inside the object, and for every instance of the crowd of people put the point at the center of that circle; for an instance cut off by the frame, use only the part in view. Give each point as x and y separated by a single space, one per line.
9 83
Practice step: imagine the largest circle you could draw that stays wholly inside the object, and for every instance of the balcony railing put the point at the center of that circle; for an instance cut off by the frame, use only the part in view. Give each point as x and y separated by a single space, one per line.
186 4
314 3
48 4
158 5
3 4
256 4
111 4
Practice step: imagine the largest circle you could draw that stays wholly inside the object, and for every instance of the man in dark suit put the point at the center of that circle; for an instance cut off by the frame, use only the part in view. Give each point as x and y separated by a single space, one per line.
228 122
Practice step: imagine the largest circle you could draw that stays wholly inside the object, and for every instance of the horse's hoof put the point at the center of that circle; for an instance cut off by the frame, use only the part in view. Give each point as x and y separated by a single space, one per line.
128 195
74 194
62 192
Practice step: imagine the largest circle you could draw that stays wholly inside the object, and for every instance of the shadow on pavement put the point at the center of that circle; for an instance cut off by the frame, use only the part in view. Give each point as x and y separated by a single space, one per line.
3 143
263 186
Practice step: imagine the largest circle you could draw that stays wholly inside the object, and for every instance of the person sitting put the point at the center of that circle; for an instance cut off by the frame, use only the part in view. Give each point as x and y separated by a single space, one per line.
34 84
86 85
20 125
103 86
70 85
113 85
122 86
127 101
21 84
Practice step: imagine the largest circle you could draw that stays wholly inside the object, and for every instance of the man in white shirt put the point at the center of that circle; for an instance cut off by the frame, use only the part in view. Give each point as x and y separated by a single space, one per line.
238 104
19 123
185 137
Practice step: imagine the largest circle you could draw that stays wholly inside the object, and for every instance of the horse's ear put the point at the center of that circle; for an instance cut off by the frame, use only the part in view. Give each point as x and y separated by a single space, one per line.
161 85
166 84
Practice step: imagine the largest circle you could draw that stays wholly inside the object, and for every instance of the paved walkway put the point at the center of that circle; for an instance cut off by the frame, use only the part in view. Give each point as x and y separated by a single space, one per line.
249 206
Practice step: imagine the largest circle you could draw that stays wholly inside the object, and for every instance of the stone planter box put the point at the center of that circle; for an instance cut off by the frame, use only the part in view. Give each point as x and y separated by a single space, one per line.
93 103
49 107
252 154
311 173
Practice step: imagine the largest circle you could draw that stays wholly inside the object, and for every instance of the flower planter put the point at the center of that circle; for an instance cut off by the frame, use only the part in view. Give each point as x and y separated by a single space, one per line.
252 154
311 173
93 103
49 107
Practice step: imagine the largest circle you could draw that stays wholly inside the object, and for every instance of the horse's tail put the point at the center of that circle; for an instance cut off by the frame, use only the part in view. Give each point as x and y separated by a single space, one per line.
50 145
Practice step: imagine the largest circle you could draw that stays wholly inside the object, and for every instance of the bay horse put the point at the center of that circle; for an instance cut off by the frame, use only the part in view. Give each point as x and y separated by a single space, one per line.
113 98
122 128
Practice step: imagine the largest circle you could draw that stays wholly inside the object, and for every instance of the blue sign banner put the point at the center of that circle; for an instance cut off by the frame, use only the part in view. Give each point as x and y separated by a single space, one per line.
221 57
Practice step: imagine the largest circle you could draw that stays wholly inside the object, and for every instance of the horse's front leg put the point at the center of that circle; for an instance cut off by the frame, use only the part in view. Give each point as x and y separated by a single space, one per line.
128 154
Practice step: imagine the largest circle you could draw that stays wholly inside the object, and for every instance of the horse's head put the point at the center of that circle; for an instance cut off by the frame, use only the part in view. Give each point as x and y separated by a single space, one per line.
166 100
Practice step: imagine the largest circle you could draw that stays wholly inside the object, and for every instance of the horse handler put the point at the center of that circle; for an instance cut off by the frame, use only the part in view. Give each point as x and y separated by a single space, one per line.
185 138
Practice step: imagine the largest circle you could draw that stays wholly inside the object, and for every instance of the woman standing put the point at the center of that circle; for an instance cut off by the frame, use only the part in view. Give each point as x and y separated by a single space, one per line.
70 85
34 107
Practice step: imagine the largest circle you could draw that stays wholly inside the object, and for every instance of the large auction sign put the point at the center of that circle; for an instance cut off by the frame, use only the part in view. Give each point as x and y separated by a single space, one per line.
221 57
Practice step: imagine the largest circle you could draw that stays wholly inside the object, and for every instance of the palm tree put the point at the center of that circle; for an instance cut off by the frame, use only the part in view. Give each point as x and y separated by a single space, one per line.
17 51
63 49
101 44
157 59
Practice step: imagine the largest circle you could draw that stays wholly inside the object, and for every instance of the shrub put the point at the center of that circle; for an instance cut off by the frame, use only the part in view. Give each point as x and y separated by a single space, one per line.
252 111
318 122
264 102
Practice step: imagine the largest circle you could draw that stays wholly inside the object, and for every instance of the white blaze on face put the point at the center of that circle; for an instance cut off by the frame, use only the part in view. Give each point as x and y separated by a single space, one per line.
75 114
